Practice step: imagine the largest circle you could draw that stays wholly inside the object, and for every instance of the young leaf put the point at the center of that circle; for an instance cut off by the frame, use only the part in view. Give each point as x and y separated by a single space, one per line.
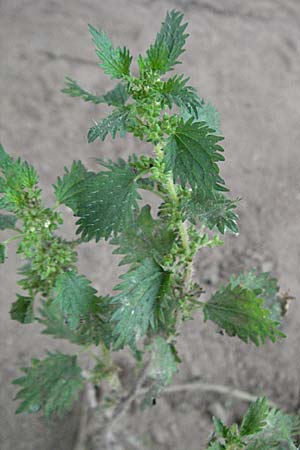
175 91
7 221
265 287
220 429
117 122
279 433
143 238
216 211
240 313
51 384
114 62
135 312
256 417
74 295
204 112
192 153
162 55
262 428
116 97
22 309
19 174
2 253
70 185
106 203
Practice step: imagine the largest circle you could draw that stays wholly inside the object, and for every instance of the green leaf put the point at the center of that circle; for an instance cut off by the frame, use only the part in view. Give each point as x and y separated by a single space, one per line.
256 417
106 203
219 427
204 112
7 221
19 174
192 153
163 54
265 287
51 384
92 328
262 428
114 62
240 313
175 91
116 97
3 255
117 122
144 237
279 433
22 309
216 211
74 295
141 288
216 446
163 366
6 161
164 361
70 185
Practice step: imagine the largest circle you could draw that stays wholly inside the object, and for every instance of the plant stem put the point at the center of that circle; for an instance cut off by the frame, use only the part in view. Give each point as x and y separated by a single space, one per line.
210 387
13 238
181 225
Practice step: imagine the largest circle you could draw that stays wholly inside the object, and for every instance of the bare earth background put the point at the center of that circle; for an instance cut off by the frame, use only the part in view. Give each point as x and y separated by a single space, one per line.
245 58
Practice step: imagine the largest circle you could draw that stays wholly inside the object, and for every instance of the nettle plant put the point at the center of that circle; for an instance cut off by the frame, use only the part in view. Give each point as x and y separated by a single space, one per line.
158 292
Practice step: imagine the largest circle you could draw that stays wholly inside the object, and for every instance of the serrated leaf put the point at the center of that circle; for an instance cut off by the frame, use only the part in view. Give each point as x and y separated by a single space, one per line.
6 161
239 312
135 313
265 287
279 433
117 122
70 185
192 152
114 62
2 253
143 238
7 221
163 54
215 211
175 91
115 97
92 328
74 295
19 174
262 428
255 418
22 309
52 384
204 112
106 203
219 427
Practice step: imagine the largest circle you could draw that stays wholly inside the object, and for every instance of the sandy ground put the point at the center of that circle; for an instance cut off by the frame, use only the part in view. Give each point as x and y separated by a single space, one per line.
243 57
